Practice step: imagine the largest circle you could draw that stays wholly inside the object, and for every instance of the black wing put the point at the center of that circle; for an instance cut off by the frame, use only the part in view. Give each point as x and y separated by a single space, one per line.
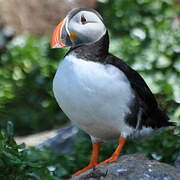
152 115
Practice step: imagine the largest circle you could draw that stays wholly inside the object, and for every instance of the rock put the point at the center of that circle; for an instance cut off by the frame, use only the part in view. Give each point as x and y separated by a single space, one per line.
63 140
177 162
59 140
132 167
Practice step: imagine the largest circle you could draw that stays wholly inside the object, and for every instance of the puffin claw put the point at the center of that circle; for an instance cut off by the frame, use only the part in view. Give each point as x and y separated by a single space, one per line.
83 170
109 160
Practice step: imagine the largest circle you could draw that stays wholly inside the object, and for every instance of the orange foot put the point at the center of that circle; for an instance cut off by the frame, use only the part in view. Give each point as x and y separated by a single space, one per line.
115 155
95 153
111 159
93 161
83 170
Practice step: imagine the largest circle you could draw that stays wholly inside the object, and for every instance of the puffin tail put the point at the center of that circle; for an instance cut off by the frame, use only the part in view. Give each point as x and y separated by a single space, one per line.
163 119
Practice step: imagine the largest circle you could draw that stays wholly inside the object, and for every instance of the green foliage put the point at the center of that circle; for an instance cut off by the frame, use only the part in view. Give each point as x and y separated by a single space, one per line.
18 162
26 74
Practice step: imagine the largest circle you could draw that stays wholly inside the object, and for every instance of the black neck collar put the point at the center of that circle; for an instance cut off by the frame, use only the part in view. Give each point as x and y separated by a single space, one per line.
93 52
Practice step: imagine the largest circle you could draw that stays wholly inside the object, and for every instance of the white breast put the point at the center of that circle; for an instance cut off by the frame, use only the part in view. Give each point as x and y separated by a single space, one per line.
94 96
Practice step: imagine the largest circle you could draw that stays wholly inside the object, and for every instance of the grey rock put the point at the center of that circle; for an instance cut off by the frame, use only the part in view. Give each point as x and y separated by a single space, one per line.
132 167
62 142
177 162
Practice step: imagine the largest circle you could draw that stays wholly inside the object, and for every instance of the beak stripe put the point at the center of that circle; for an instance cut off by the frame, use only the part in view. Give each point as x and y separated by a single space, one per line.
56 41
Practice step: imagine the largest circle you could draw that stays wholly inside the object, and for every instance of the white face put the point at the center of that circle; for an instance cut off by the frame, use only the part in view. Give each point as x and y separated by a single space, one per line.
88 27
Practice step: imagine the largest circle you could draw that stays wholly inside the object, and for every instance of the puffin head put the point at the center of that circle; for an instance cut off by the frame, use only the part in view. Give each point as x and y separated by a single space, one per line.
81 26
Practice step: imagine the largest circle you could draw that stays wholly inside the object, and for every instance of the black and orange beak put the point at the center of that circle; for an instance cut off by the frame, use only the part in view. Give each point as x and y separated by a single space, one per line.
60 37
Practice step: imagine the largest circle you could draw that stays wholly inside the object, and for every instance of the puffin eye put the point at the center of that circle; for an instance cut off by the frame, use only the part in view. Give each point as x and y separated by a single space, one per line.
83 20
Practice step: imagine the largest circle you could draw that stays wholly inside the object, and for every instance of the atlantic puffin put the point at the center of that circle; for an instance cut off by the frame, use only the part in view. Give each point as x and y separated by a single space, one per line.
97 91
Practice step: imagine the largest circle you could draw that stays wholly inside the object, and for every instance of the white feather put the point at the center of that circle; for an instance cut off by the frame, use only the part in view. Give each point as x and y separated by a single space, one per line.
94 96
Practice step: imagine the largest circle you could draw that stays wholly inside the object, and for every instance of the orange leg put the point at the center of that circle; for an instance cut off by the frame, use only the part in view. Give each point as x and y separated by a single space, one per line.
116 153
93 161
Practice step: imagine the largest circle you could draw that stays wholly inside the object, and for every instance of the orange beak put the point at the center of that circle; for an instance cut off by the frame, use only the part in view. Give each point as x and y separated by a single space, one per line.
56 40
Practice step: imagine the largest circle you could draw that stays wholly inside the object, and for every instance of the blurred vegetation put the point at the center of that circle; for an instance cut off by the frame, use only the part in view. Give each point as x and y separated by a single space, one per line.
18 162
28 66
144 33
